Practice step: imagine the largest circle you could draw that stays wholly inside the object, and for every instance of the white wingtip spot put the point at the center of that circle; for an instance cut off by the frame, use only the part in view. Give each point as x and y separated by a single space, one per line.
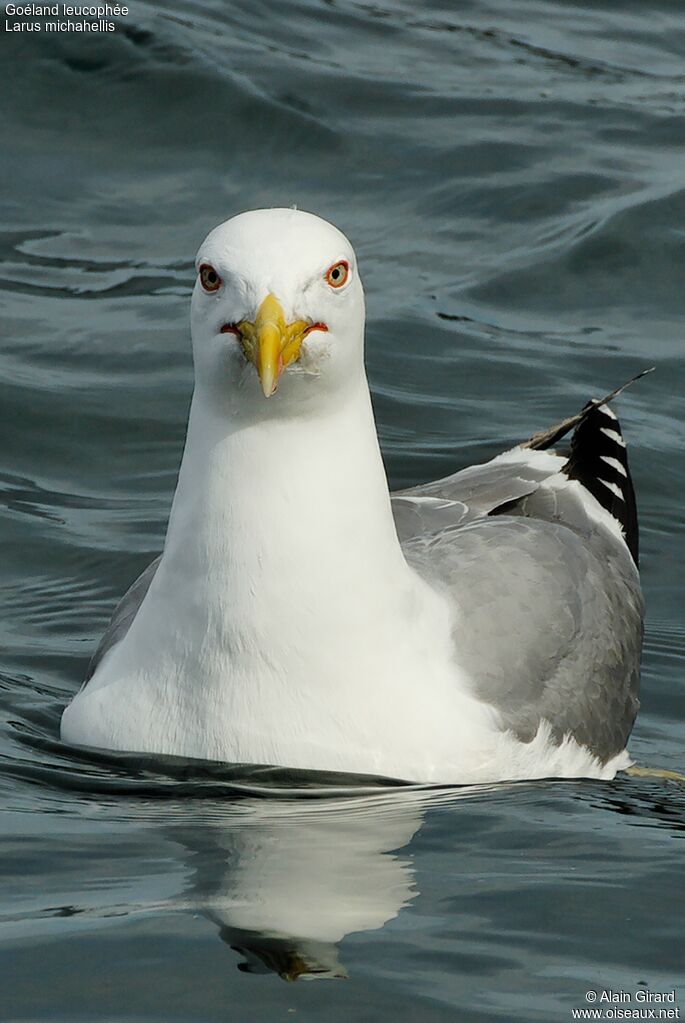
615 464
609 431
612 487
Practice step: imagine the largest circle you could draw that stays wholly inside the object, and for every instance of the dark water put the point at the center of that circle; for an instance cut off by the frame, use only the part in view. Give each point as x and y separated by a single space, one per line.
512 176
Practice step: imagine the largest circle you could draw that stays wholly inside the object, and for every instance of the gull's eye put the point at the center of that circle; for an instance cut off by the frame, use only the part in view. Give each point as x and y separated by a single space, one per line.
337 274
209 278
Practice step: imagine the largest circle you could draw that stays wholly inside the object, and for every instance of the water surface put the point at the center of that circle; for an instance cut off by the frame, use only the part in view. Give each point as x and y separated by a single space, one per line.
512 178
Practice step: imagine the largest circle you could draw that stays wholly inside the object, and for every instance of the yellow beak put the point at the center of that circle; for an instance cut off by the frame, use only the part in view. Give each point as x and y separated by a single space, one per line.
270 343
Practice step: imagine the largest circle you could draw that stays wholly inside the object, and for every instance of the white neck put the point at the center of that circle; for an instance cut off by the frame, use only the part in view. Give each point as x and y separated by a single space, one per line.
290 518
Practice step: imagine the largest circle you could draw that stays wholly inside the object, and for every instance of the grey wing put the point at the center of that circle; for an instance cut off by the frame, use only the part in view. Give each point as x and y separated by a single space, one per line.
550 607
123 616
469 494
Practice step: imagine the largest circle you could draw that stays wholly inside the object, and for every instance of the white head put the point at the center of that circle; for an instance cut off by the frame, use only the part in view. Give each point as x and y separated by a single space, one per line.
277 314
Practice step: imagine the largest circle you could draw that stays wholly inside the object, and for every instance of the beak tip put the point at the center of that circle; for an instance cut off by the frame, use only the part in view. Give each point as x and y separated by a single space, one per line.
269 387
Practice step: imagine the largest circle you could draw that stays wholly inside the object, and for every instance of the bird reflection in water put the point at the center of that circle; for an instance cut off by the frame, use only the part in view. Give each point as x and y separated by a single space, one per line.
286 880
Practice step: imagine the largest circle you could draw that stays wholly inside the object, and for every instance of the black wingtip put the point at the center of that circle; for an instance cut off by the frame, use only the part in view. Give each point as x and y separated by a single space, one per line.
546 438
599 460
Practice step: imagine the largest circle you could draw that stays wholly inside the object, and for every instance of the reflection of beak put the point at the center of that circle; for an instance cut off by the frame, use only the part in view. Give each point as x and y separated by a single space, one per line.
270 343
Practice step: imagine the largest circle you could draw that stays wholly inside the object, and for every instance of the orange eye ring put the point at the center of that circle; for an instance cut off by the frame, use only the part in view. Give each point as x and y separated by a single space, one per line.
209 278
338 274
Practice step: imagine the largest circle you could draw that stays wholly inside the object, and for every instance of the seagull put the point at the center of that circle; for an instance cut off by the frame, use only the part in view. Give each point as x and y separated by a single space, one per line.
479 628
